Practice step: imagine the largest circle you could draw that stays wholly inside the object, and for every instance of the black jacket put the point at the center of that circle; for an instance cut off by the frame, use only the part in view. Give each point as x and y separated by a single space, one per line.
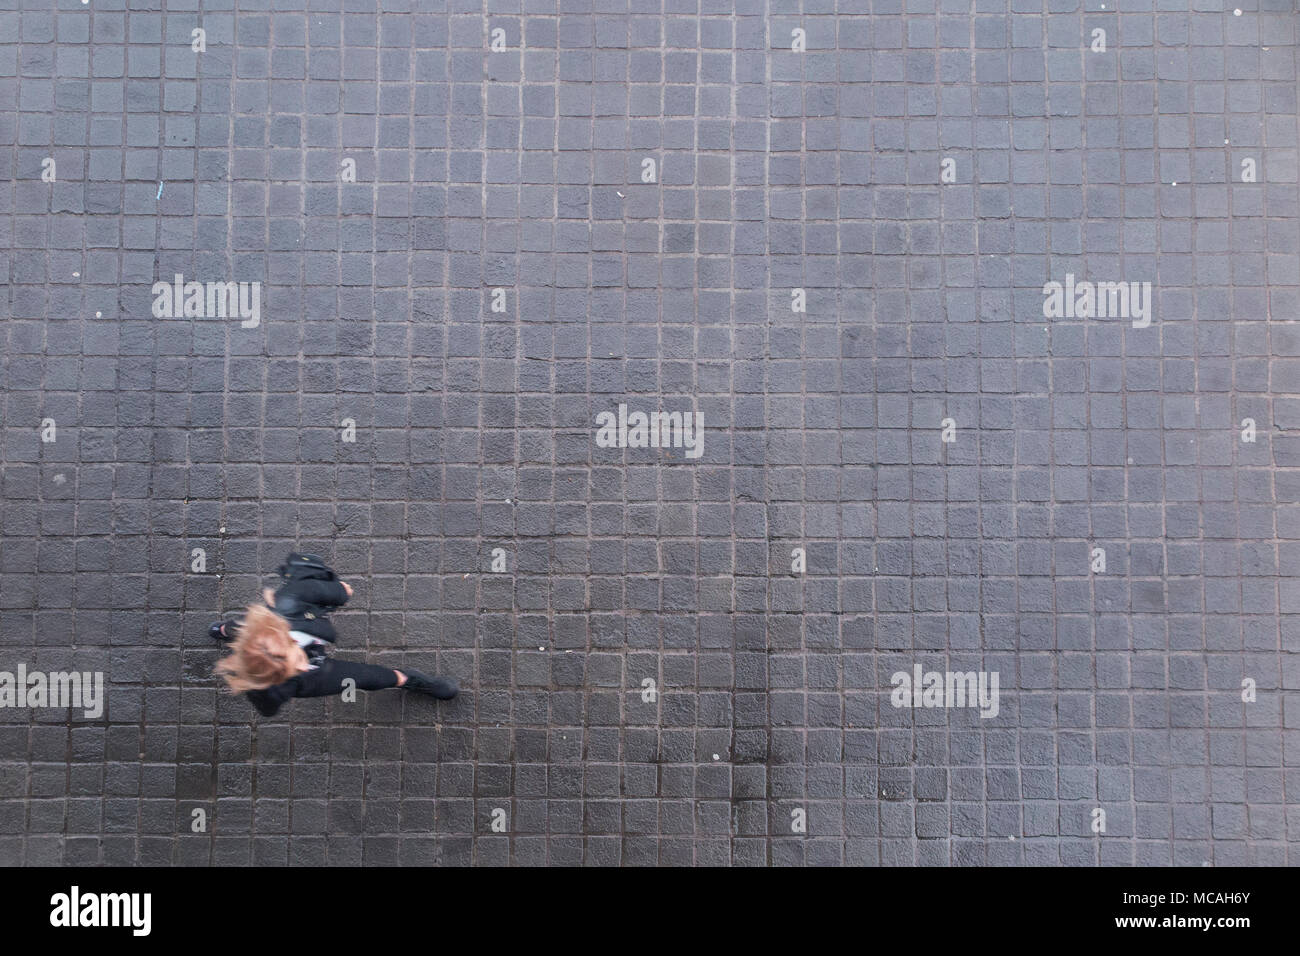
309 593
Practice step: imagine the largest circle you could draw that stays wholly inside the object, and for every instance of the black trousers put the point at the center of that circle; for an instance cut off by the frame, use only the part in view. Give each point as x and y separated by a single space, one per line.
329 676
325 680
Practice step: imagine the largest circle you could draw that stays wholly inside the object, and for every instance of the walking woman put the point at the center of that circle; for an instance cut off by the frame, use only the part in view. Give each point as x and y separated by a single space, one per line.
278 652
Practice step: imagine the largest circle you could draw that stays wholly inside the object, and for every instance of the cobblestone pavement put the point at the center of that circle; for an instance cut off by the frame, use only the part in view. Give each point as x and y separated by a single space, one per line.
473 231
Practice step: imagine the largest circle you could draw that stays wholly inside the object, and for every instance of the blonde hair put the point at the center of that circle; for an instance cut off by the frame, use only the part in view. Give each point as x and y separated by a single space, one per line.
263 653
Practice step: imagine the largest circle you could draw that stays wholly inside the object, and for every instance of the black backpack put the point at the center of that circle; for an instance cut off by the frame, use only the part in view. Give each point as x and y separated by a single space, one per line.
297 566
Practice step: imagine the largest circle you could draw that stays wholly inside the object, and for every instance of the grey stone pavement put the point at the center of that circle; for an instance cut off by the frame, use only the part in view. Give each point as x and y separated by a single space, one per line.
954 461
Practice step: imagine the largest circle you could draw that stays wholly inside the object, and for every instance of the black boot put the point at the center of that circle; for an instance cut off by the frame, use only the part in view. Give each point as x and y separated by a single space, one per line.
224 630
443 688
